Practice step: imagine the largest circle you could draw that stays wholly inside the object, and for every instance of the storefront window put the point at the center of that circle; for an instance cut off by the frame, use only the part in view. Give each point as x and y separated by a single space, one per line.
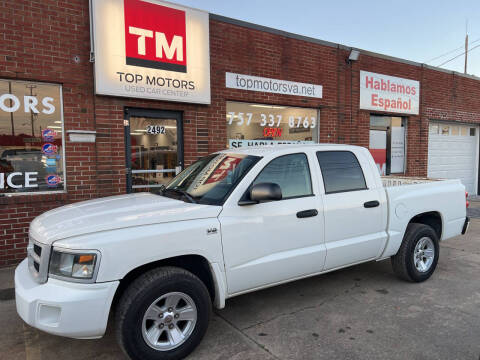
387 143
31 137
259 124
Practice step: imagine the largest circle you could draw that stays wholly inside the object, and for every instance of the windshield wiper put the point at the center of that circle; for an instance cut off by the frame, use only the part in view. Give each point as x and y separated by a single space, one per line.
181 192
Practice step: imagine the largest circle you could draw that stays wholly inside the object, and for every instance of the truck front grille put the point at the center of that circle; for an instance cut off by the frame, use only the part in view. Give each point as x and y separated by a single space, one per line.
38 258
37 250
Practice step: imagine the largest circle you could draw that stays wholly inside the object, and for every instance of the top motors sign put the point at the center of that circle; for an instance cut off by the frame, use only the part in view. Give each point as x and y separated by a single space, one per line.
151 49
389 93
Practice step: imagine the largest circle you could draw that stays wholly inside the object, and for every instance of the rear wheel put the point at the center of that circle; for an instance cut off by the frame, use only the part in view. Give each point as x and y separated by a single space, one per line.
417 257
163 315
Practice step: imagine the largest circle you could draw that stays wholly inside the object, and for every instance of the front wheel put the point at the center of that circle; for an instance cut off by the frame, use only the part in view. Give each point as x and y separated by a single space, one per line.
417 257
163 315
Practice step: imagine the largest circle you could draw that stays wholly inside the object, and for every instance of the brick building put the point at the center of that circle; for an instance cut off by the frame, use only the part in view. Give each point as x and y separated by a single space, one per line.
63 140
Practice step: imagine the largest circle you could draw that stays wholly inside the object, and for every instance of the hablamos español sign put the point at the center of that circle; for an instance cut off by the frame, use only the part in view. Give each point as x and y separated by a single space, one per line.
151 49
389 93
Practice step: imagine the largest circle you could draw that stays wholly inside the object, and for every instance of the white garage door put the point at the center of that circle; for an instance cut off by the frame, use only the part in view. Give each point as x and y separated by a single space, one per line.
452 153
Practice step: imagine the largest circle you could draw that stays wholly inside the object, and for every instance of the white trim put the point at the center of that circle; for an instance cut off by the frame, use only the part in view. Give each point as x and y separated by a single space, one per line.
81 131
3 195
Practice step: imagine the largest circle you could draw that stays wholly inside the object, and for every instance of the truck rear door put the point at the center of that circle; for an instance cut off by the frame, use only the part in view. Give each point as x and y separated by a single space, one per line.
354 208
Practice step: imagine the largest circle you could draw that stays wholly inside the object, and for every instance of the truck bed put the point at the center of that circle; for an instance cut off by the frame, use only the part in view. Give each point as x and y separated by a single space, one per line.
409 196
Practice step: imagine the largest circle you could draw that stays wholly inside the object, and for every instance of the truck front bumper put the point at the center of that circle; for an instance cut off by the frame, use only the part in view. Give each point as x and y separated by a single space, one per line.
63 308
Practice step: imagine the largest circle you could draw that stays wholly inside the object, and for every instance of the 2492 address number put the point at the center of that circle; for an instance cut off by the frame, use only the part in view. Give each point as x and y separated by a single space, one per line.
155 129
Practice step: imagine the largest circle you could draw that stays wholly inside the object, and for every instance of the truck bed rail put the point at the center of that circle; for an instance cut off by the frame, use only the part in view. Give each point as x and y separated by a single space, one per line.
390 181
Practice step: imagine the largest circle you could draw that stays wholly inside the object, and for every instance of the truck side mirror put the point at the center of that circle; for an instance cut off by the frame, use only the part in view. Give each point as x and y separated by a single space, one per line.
262 192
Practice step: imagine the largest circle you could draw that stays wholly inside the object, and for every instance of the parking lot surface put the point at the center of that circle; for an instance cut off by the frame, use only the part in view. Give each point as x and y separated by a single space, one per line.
363 312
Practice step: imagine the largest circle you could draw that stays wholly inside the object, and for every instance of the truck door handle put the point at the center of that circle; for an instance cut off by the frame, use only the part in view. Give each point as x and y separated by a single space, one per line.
307 213
371 204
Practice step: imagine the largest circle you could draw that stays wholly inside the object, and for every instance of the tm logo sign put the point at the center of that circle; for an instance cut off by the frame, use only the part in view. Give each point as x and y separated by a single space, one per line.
155 36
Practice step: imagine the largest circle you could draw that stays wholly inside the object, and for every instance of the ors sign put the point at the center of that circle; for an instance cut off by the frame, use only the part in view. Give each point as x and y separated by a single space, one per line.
389 93
151 49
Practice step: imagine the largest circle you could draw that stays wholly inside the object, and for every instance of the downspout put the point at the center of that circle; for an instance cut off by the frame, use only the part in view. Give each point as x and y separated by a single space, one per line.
94 102
92 47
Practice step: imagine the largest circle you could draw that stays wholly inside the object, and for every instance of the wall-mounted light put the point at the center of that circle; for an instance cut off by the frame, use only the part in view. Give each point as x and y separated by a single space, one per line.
354 55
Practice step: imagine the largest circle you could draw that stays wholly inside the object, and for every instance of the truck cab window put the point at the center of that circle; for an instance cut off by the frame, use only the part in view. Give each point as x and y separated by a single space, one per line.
341 171
291 173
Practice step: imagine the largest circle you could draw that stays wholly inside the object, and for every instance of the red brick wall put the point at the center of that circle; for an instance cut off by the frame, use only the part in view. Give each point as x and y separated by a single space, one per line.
40 40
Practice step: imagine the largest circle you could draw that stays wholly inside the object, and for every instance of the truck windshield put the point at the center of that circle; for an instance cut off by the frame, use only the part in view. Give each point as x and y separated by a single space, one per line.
211 179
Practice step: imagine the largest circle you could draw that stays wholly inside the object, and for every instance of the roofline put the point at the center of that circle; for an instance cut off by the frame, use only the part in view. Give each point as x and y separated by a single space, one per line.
290 35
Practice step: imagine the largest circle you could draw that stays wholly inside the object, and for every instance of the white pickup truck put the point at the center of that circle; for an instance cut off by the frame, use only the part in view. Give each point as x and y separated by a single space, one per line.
233 222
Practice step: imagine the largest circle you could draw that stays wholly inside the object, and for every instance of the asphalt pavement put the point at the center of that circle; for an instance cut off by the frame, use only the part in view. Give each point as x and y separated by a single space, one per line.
363 312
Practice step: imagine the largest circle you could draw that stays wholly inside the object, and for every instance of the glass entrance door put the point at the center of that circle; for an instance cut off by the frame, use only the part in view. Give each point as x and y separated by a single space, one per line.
387 143
154 148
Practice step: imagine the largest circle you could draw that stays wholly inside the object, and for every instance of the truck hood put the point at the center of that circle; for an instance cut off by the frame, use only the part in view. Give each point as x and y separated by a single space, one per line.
114 212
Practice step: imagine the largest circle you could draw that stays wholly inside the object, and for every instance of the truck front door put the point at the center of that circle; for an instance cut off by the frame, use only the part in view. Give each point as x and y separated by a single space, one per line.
271 242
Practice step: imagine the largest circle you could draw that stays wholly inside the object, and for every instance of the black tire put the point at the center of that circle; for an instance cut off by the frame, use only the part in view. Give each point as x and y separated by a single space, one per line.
403 262
141 293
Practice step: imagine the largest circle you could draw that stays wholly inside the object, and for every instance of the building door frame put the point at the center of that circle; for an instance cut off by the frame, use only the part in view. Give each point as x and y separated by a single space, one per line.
154 114
388 132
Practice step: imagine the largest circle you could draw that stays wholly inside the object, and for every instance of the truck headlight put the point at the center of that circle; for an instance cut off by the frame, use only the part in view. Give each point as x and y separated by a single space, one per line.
74 266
